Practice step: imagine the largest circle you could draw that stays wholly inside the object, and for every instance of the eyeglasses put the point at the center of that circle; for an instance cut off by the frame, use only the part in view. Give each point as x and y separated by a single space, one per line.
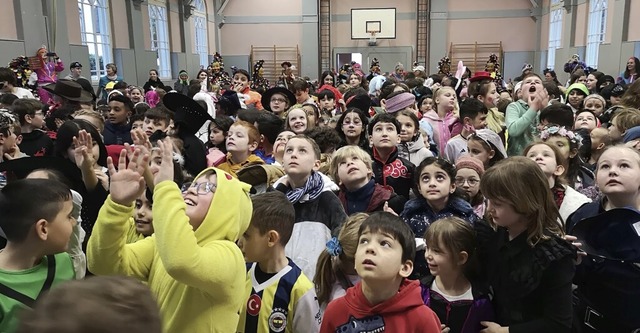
201 188
472 181
279 100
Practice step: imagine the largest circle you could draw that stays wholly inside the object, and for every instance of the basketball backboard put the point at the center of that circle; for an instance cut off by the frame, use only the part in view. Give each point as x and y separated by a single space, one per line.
381 21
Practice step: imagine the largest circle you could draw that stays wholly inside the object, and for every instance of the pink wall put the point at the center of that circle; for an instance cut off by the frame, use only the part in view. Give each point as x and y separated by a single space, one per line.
73 22
238 38
8 26
516 34
634 23
118 25
582 25
475 5
264 8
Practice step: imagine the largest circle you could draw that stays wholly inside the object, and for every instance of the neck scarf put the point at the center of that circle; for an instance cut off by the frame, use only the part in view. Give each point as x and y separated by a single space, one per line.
310 191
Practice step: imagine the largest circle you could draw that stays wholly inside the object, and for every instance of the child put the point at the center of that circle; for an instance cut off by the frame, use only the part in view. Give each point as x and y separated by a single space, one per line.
280 145
327 140
486 146
313 114
37 219
242 141
595 103
568 143
278 100
135 94
318 210
622 121
520 117
436 198
469 172
473 116
296 119
269 125
558 114
443 117
327 101
575 94
241 83
585 120
137 122
483 88
351 167
156 119
279 296
117 130
102 304
384 299
352 128
336 271
411 146
141 222
527 263
35 142
551 161
606 287
93 117
449 291
300 88
192 263
216 146
599 141
389 169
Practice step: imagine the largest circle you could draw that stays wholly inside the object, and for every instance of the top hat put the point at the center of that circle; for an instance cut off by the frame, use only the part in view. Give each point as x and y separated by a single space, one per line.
612 235
187 112
70 90
266 97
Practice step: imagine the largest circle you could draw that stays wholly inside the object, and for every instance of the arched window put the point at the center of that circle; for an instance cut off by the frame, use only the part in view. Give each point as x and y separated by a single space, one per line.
160 37
94 30
555 31
200 27
596 32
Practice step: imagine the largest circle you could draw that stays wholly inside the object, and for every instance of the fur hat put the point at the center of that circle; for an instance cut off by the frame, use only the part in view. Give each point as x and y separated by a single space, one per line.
527 67
445 61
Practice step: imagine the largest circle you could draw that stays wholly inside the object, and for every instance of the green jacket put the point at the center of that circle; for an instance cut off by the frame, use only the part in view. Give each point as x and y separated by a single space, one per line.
521 124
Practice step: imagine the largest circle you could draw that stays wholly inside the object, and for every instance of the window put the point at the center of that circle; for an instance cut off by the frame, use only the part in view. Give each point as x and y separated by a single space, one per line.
597 28
555 31
160 38
94 30
200 25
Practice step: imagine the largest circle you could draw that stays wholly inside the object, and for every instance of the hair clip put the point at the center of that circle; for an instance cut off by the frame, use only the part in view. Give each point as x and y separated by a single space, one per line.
333 247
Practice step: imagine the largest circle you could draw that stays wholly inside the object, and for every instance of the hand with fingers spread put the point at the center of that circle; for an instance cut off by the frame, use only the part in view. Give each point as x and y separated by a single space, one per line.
82 153
165 172
127 182
141 140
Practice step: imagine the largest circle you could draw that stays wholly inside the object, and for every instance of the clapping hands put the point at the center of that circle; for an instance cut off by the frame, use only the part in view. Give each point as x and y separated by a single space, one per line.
127 182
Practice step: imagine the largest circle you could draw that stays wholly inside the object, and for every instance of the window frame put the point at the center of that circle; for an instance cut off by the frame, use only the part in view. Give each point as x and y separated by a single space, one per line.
556 15
596 31
158 23
201 37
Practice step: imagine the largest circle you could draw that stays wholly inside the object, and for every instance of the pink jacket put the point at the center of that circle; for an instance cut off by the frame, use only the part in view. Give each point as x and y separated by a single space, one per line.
49 72
442 128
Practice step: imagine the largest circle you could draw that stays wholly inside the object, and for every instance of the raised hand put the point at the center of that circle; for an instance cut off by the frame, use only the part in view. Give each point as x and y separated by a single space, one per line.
165 171
141 140
127 182
82 153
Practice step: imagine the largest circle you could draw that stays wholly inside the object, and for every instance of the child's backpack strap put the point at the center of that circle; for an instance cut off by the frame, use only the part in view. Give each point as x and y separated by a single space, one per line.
24 299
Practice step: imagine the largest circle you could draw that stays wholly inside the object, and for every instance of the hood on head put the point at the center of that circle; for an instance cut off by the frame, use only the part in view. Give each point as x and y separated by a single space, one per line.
230 211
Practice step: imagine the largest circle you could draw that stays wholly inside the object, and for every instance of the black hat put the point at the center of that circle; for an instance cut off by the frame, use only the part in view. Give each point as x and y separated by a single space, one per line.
70 90
230 101
612 235
20 168
618 90
360 101
266 97
86 85
75 64
188 112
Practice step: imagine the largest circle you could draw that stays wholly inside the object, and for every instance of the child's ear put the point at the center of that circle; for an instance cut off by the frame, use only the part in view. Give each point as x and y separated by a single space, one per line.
383 103
453 187
28 118
600 146
42 229
262 138
316 165
19 139
273 238
253 146
466 120
559 171
463 256
573 152
492 153
406 269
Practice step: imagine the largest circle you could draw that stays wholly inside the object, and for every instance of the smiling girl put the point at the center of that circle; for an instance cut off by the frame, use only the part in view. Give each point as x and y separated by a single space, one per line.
296 120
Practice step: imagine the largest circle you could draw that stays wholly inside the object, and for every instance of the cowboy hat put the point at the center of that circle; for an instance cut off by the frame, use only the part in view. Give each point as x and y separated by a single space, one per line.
187 111
70 90
266 97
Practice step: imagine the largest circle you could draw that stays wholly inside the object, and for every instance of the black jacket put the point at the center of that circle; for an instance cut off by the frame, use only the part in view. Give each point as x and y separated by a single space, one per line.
531 285
36 143
152 85
395 173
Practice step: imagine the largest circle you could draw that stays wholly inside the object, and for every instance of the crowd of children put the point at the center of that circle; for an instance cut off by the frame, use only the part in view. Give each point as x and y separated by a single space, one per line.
397 202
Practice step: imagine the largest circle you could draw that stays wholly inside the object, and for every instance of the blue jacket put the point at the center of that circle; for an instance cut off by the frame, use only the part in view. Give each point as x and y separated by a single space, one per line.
419 215
102 83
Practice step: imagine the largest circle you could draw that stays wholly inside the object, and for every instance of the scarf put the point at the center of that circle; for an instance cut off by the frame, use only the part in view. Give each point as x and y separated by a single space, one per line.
310 191
558 195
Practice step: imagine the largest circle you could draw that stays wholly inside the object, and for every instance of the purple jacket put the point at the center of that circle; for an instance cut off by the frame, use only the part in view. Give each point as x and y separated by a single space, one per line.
481 309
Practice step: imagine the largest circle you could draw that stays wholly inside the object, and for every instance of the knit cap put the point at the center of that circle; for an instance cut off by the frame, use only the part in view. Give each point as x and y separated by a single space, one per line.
400 102
468 162
579 86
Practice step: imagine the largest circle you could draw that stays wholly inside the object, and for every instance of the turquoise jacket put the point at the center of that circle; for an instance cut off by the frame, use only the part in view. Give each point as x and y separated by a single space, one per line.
521 124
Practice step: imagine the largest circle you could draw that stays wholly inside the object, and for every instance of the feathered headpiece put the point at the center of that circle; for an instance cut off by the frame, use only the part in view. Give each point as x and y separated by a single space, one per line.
20 67
217 58
492 64
444 62
374 63
259 81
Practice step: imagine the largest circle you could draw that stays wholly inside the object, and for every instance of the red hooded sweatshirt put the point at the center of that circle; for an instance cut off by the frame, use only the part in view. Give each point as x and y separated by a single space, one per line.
405 312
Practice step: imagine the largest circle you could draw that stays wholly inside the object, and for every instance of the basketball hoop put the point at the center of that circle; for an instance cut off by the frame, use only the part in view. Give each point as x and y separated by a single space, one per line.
372 37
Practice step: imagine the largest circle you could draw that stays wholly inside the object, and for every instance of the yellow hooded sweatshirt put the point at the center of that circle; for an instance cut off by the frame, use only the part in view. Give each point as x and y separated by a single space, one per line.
197 277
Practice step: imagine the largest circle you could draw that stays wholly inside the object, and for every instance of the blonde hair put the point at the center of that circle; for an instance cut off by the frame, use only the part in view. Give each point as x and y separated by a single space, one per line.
626 119
331 269
345 152
287 127
92 114
520 182
440 91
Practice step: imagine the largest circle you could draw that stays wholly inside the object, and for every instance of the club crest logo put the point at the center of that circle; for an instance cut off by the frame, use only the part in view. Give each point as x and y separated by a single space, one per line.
278 320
